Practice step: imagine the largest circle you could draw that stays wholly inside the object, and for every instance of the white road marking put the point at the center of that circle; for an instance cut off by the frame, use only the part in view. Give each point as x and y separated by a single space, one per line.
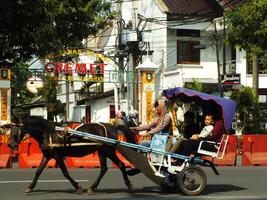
41 181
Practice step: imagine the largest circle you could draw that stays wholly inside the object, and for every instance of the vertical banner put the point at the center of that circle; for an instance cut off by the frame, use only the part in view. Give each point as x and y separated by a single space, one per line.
4 105
149 105
148 92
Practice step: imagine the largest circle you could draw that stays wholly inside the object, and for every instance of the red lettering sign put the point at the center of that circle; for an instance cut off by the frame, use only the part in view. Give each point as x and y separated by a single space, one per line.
97 68
80 68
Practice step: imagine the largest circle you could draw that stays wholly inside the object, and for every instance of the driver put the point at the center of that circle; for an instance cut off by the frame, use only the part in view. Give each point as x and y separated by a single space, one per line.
160 124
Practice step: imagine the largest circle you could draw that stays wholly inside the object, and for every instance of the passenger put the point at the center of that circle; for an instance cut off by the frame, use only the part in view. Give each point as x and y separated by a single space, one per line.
129 121
160 124
190 129
119 123
204 134
209 132
206 131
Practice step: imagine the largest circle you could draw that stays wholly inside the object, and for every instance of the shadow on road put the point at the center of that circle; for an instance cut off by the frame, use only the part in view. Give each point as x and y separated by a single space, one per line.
141 193
218 188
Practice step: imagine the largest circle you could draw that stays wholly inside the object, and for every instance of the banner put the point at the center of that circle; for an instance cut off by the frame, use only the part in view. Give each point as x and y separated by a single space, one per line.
4 106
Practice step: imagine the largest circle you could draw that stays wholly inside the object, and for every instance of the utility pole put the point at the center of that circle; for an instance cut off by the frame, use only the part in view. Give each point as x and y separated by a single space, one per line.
67 99
218 59
121 47
133 62
224 47
135 53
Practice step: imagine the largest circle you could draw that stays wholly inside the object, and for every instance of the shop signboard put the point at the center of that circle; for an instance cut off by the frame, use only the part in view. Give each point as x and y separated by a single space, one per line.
231 79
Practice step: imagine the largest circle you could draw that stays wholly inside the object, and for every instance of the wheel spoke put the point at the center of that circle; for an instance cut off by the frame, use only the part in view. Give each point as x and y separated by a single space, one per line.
192 180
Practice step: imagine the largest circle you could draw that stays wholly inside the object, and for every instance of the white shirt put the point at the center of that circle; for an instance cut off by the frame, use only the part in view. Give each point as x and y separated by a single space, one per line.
206 131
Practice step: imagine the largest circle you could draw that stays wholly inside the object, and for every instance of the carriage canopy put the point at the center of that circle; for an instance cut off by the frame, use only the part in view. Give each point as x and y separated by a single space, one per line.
224 107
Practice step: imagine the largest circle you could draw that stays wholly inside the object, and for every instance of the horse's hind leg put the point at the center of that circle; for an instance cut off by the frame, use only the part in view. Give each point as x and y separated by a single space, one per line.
38 172
103 170
66 174
112 155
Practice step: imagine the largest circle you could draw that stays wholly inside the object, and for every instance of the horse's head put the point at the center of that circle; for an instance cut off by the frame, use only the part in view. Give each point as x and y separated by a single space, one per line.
16 135
35 126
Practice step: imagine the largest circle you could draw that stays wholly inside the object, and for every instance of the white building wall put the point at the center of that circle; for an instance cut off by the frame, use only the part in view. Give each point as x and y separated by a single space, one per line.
100 110
78 113
241 66
39 111
206 71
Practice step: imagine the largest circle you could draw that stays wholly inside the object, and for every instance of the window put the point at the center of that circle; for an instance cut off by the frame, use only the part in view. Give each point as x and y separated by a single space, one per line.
262 67
186 53
187 46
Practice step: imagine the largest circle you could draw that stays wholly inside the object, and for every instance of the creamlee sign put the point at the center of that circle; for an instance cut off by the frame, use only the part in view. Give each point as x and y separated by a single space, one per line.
87 72
79 68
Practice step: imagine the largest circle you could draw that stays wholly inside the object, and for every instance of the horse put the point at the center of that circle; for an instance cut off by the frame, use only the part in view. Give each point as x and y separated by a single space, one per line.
44 132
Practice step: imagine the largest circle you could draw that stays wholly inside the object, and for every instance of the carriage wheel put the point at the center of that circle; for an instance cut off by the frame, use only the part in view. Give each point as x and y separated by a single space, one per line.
192 180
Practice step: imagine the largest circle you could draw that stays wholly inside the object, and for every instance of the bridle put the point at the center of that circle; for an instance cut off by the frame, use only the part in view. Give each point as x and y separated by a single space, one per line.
18 137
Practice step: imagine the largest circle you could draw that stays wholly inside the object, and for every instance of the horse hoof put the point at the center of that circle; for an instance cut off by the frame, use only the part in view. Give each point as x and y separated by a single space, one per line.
91 190
131 187
28 190
79 190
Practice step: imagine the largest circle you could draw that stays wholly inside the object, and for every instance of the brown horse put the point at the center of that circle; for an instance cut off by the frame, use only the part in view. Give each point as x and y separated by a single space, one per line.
44 132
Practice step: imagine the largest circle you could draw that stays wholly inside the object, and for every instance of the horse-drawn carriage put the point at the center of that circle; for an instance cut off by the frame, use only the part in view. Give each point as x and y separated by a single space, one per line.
188 176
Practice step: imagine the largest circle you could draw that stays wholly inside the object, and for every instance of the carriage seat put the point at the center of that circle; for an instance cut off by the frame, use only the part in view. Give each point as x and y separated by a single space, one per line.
205 146
158 143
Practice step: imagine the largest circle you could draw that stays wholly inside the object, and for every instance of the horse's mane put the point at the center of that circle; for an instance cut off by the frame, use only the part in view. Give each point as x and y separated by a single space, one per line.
38 124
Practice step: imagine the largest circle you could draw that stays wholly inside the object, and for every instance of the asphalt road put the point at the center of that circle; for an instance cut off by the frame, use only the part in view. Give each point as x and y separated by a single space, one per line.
233 183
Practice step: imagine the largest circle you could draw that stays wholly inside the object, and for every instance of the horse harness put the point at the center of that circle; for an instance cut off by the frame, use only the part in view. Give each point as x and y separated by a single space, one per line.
65 137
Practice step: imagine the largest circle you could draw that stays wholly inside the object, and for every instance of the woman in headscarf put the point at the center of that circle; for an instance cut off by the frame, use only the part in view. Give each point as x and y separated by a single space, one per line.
160 124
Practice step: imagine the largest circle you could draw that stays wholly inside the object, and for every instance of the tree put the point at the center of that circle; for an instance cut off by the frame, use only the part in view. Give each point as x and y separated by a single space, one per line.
49 94
29 28
195 85
247 108
247 29
20 95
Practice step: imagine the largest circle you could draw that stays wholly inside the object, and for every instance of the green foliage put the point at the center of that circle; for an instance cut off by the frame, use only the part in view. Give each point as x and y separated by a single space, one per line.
42 27
195 85
247 108
49 94
20 95
247 27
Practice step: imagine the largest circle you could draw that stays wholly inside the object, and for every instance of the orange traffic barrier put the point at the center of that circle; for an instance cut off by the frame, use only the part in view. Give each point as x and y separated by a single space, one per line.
229 158
254 150
124 160
89 161
30 155
5 153
73 125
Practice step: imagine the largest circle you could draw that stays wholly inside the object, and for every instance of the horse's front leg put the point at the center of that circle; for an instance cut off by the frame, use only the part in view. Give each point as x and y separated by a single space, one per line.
65 172
38 172
103 170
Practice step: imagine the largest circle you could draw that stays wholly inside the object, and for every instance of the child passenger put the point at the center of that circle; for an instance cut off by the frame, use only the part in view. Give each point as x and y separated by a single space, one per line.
205 133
